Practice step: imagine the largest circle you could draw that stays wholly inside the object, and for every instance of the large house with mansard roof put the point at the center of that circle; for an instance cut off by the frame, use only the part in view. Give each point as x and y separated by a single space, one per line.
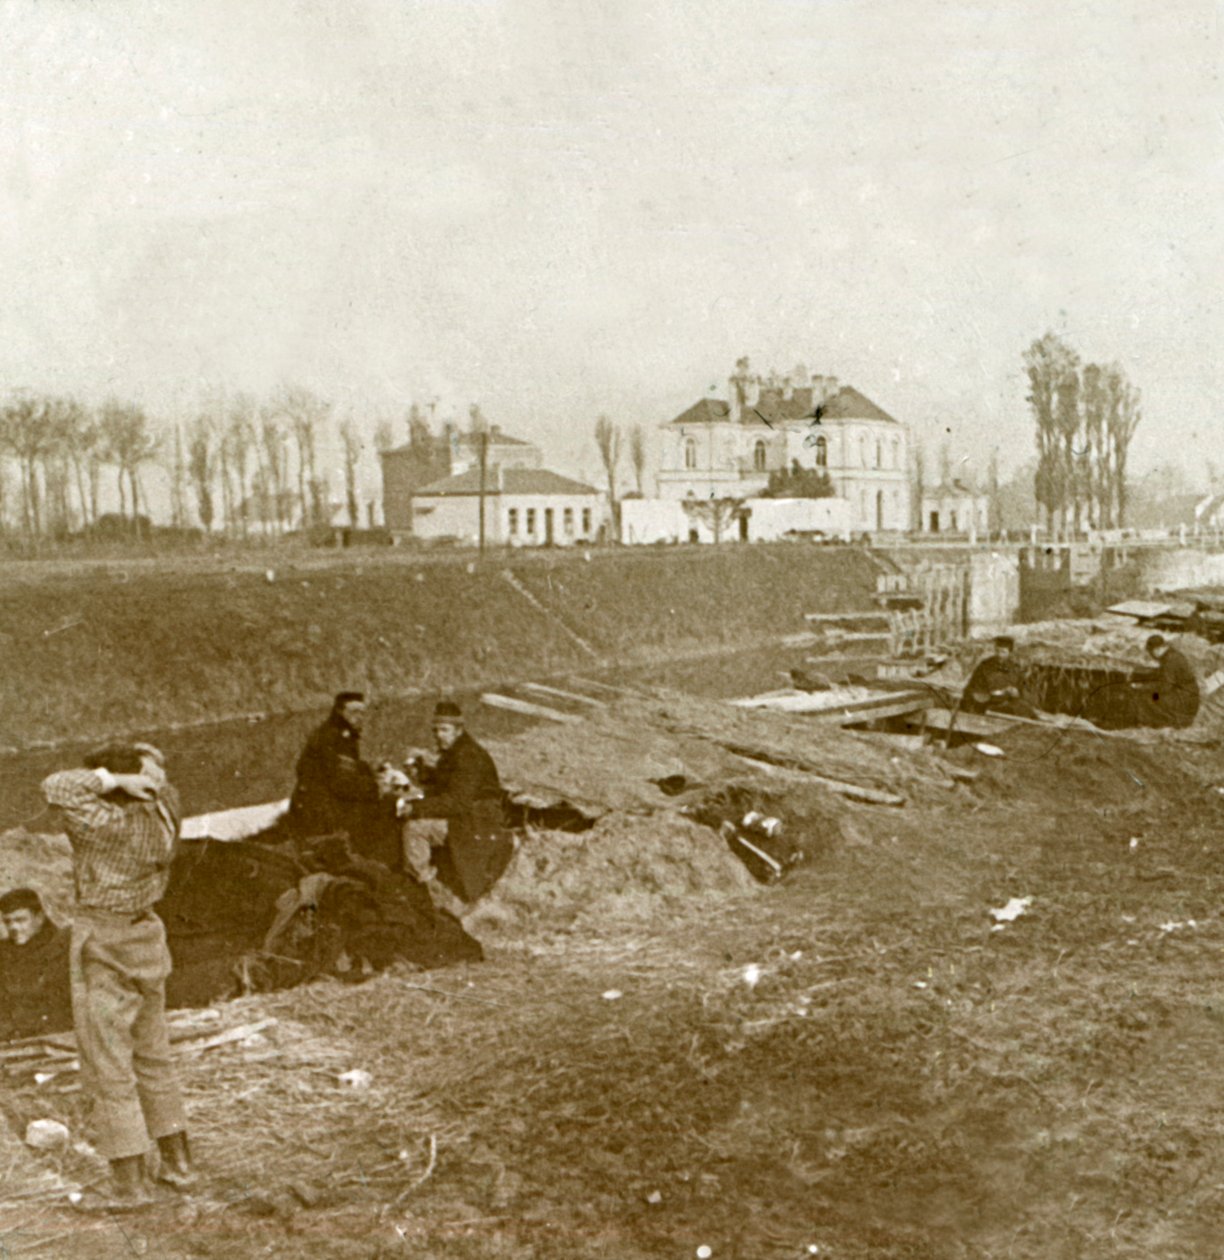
727 448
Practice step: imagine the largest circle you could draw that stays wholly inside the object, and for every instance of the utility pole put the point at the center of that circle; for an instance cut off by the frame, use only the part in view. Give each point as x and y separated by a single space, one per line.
484 461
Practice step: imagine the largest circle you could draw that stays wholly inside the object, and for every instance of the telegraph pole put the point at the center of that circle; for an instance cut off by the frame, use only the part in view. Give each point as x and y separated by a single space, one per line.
484 461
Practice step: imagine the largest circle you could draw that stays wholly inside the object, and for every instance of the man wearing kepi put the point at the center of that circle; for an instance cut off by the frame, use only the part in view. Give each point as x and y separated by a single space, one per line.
994 686
337 791
122 817
463 787
1168 694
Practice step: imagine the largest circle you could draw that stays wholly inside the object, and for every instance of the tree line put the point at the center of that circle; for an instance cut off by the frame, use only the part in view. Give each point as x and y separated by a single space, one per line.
240 464
1086 415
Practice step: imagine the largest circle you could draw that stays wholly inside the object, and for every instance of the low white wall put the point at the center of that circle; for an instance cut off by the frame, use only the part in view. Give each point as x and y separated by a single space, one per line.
994 592
645 521
774 518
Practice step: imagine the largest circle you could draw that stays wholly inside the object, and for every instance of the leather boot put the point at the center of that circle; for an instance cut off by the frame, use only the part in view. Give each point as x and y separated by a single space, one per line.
128 1181
175 1161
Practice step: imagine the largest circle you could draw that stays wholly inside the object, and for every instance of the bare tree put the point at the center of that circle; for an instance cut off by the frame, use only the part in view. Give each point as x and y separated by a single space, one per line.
1051 366
127 442
306 413
177 468
201 468
24 435
717 515
994 509
637 455
235 456
81 439
1122 416
351 445
608 438
272 478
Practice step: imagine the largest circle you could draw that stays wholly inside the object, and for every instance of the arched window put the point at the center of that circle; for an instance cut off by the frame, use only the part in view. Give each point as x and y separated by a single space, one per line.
690 453
863 451
896 453
758 455
822 452
879 454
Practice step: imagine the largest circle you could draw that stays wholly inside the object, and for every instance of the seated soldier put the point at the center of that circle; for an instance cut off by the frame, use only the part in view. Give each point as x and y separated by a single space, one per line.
337 791
994 686
35 996
1168 695
462 786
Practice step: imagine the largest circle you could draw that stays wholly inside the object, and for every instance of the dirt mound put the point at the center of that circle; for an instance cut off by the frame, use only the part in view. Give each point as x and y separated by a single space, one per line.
41 862
623 865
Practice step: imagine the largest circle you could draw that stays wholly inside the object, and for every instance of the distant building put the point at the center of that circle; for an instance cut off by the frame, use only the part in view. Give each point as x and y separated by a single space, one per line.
432 457
728 448
953 508
523 507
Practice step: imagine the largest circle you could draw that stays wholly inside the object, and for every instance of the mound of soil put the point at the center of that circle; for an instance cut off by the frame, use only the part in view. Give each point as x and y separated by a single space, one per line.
622 865
41 862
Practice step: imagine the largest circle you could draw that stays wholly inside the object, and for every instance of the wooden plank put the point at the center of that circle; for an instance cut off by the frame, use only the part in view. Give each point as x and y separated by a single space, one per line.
545 690
898 708
851 791
526 707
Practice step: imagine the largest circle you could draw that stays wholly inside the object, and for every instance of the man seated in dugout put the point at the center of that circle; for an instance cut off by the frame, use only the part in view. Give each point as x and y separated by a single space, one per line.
461 784
1168 694
994 686
336 791
35 996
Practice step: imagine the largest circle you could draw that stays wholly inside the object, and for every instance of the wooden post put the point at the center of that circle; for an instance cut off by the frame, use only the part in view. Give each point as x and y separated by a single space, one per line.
484 461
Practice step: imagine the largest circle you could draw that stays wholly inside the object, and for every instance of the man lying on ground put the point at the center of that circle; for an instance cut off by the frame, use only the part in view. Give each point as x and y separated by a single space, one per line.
34 993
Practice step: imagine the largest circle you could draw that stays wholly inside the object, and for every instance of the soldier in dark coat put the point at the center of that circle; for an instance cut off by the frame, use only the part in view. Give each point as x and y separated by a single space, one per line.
337 791
35 996
994 686
463 787
1167 695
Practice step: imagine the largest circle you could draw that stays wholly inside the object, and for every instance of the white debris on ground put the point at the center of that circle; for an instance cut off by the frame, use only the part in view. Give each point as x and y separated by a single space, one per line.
1012 911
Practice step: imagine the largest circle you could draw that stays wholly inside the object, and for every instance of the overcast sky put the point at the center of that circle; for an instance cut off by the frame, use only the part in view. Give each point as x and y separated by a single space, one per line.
577 206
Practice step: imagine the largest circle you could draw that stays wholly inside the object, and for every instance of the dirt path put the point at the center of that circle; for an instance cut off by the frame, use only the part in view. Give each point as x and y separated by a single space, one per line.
856 1064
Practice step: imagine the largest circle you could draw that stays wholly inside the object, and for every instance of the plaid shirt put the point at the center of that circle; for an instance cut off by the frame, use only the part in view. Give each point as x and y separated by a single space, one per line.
121 847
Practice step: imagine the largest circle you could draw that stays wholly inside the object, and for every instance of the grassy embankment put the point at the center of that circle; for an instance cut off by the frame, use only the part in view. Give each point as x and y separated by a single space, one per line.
94 652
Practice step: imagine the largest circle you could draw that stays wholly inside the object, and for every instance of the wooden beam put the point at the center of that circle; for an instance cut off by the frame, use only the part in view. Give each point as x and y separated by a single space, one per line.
851 791
526 707
545 690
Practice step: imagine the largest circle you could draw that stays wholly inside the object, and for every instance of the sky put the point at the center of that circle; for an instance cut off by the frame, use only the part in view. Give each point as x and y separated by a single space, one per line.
567 208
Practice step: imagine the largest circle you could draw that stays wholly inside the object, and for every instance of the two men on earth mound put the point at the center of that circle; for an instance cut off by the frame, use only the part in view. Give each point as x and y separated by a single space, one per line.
338 791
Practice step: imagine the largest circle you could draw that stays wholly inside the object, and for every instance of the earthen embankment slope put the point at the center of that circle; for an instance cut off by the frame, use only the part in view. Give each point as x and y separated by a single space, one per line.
147 648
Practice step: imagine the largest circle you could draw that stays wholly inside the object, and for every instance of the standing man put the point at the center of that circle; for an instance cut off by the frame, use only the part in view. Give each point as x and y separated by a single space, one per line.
463 787
34 993
1168 695
337 791
994 686
122 817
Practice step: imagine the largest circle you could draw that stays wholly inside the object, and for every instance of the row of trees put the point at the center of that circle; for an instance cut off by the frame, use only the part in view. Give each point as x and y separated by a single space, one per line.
1086 415
240 463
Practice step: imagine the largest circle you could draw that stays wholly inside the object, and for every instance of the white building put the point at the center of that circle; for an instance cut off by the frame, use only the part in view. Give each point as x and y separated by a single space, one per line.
523 507
728 449
953 508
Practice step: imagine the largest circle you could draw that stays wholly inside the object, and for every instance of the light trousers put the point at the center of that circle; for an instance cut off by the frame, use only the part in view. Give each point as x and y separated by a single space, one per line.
119 967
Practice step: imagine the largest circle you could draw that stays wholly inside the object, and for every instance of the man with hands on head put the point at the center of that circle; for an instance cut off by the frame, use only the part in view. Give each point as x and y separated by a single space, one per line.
122 817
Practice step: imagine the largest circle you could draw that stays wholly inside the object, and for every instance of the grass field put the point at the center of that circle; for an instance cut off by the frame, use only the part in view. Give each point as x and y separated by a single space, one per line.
92 649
